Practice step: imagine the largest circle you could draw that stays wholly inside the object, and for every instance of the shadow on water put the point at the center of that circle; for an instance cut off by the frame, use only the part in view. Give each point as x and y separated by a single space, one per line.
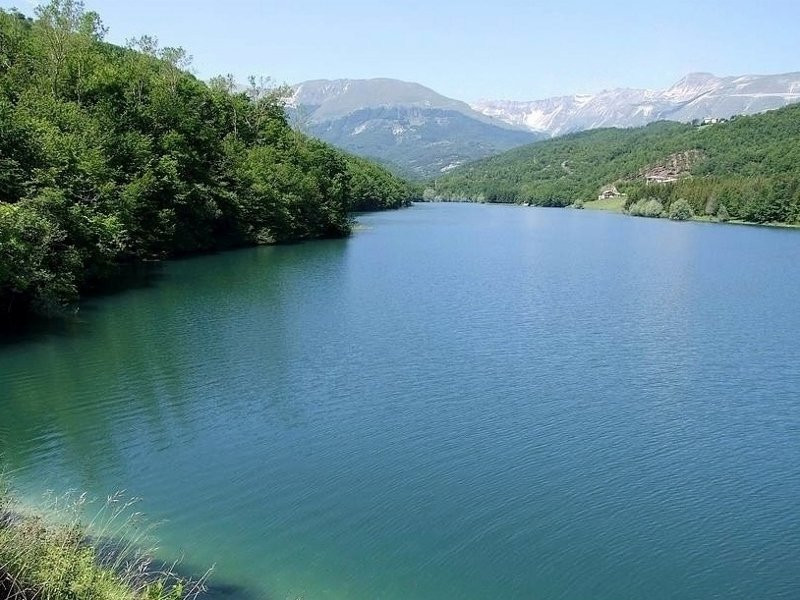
113 551
25 328
17 328
129 276
229 591
215 588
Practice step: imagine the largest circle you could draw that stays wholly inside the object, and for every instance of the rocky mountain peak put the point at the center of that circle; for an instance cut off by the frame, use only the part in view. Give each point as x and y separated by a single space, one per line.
695 96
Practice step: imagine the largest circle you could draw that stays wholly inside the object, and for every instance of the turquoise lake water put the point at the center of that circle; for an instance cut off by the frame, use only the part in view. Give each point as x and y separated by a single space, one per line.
460 401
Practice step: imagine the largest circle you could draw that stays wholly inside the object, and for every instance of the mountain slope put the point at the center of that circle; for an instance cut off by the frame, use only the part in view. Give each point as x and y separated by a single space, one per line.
750 165
405 125
696 96
332 99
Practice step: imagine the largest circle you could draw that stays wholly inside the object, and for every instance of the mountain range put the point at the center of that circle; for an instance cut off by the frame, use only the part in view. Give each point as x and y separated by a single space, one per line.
696 96
403 125
422 133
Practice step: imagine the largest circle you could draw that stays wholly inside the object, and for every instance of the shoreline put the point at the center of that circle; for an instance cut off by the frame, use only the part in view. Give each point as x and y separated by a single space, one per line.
134 272
60 550
615 206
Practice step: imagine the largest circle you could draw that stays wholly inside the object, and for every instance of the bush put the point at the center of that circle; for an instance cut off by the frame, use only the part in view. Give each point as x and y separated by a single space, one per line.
38 267
722 213
680 210
636 208
712 205
647 208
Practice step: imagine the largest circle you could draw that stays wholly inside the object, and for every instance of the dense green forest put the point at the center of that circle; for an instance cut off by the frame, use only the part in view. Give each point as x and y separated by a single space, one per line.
112 154
746 169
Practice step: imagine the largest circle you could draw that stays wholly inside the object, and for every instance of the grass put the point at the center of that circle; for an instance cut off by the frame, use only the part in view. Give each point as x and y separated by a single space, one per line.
48 553
608 204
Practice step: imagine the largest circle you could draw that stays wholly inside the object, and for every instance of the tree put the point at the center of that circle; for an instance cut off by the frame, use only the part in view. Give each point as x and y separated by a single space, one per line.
177 61
39 267
225 86
646 208
90 31
750 164
59 20
114 154
680 210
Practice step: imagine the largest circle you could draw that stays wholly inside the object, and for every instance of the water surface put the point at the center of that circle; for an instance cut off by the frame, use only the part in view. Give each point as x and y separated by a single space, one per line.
460 401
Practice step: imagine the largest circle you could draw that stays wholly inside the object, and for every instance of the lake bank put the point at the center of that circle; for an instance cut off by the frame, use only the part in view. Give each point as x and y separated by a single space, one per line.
18 318
51 553
617 205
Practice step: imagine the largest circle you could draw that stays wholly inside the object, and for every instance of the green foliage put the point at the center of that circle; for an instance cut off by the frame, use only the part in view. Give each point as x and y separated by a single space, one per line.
49 555
373 187
680 210
110 154
722 213
37 262
647 208
751 165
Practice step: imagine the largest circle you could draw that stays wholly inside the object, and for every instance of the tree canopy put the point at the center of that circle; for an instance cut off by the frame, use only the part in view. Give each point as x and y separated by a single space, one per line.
749 165
111 154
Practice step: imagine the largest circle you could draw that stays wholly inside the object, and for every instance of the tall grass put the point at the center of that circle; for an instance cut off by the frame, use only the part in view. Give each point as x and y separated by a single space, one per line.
51 552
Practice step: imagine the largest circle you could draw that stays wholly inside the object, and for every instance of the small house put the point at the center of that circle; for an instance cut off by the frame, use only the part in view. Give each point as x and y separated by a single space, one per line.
608 192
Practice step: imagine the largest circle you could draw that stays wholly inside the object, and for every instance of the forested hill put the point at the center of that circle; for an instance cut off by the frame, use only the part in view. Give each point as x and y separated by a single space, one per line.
748 168
111 154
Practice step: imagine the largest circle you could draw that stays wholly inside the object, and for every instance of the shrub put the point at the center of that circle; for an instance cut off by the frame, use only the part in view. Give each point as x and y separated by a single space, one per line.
636 208
712 205
647 208
680 210
722 213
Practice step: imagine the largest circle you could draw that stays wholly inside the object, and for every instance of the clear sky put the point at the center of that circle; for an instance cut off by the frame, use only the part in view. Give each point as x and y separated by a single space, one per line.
466 49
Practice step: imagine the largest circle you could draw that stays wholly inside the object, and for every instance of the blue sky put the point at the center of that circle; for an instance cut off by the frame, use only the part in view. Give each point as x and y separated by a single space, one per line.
468 50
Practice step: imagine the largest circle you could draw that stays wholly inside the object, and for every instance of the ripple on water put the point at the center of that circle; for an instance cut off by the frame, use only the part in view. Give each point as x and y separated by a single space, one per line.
460 401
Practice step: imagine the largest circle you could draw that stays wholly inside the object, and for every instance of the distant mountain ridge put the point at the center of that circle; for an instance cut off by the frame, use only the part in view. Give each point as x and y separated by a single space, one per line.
402 124
421 133
339 97
696 96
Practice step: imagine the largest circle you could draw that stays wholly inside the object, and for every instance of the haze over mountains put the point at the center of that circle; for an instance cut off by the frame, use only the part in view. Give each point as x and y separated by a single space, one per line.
422 133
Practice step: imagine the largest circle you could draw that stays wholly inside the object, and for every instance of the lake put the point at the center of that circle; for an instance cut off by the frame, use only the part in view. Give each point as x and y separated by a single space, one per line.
460 401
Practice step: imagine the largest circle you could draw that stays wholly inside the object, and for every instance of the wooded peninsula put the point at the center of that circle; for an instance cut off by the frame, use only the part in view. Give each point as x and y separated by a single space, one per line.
114 154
